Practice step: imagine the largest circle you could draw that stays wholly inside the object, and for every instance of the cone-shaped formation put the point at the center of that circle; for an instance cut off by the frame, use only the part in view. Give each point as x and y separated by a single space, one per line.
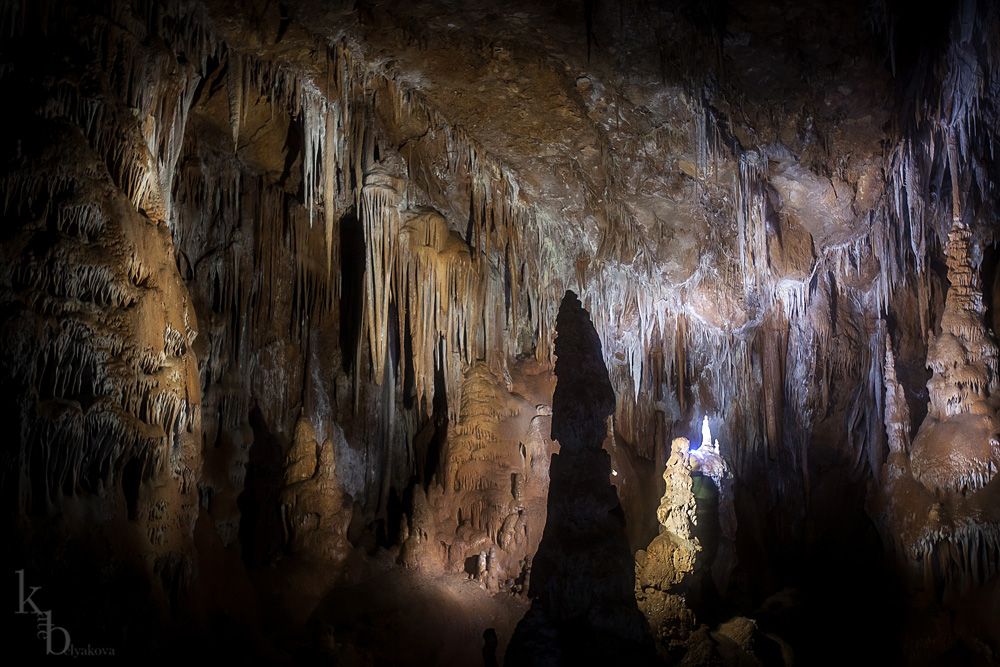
956 448
584 608
380 199
964 355
676 511
897 419
440 291
897 413
584 397
938 503
314 510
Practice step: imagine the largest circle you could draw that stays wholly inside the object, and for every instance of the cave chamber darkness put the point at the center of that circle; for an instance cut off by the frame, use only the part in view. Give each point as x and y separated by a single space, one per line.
381 333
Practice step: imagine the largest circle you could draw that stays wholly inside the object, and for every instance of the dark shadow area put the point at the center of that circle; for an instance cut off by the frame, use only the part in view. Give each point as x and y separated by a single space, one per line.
583 607
707 530
387 529
352 289
131 477
709 604
87 602
825 580
261 533
293 152
471 566
430 440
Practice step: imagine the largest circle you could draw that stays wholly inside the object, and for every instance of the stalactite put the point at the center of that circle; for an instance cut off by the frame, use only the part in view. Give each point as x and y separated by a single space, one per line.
465 303
314 113
442 294
235 88
330 220
749 189
380 198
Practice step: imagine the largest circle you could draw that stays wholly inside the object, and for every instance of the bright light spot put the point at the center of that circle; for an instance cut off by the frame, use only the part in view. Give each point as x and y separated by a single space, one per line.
614 472
707 445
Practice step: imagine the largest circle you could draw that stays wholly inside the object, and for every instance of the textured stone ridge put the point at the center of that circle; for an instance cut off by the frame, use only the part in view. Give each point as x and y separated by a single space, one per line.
676 512
938 500
314 510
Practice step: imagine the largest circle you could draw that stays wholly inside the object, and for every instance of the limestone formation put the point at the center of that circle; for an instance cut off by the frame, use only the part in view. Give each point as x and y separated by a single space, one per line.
676 512
897 413
937 503
669 560
897 420
956 447
316 513
279 291
490 499
582 575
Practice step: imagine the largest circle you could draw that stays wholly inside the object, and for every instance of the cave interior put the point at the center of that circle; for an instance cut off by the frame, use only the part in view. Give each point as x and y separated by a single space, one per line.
467 333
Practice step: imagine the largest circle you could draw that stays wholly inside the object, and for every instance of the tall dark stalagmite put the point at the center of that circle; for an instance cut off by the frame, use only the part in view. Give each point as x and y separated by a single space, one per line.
583 577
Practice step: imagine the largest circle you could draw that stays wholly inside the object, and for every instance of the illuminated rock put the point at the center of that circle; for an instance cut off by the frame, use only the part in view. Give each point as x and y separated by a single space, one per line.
676 512
316 513
669 561
956 448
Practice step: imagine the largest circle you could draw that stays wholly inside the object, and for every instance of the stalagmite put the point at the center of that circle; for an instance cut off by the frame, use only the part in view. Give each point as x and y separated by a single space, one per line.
952 448
676 511
670 558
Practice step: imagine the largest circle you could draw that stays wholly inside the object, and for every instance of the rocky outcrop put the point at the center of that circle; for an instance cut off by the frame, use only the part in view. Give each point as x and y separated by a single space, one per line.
483 511
938 500
97 330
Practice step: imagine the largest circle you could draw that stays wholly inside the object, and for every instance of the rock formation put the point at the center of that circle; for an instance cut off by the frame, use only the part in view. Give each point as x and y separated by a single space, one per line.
669 560
315 511
938 506
583 606
279 290
957 448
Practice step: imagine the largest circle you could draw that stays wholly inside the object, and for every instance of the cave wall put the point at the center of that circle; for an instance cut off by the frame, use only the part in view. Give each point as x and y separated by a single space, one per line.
222 220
